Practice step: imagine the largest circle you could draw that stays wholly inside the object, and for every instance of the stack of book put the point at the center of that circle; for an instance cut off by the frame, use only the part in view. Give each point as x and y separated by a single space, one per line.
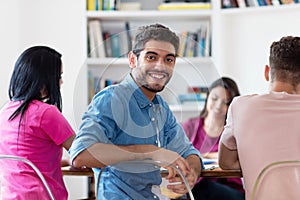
255 3
96 83
184 5
195 94
195 44
108 43
93 5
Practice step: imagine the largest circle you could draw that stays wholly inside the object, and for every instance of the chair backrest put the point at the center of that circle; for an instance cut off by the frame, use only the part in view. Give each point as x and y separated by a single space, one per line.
12 164
278 181
142 166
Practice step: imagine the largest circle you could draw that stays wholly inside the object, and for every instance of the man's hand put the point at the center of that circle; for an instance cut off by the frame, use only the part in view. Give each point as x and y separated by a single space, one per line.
189 167
191 175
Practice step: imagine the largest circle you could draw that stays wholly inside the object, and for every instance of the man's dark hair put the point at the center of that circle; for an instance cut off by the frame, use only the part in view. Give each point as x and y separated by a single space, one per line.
285 60
154 32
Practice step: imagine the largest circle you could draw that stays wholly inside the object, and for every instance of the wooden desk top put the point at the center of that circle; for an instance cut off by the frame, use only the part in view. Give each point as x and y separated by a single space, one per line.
212 172
71 171
217 172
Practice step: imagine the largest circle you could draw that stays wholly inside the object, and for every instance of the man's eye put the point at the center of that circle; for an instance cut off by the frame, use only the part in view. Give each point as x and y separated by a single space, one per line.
151 58
170 60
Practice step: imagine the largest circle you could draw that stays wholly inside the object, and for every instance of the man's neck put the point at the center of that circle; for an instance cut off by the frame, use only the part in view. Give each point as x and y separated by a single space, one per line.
278 86
150 95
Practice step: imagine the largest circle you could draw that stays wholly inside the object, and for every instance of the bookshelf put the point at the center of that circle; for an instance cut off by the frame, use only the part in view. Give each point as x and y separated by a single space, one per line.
193 70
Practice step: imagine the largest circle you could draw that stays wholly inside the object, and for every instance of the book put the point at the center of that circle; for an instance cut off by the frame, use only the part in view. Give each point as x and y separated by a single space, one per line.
191 97
91 5
107 44
115 45
241 3
182 39
252 3
97 46
128 34
92 43
229 4
99 4
184 6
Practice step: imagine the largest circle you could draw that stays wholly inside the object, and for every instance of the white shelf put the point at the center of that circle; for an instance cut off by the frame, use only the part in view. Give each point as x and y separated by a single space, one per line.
194 107
149 14
124 61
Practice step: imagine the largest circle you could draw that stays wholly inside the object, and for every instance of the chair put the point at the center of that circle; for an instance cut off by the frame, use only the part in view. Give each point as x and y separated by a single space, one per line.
143 166
10 163
278 181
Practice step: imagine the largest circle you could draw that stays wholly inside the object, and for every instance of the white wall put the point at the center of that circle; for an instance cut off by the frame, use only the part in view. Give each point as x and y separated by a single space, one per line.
56 23
9 40
245 41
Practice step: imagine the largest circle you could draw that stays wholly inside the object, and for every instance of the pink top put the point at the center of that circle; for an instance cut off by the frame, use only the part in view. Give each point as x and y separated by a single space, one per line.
263 128
40 139
194 129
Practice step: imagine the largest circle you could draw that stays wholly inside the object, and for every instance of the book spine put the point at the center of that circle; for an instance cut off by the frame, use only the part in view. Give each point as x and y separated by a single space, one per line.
91 5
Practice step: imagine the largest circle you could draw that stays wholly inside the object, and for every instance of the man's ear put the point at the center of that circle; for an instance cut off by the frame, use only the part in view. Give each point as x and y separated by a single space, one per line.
132 59
267 72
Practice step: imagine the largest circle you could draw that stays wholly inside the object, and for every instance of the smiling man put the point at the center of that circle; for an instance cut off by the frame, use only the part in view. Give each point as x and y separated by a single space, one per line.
130 121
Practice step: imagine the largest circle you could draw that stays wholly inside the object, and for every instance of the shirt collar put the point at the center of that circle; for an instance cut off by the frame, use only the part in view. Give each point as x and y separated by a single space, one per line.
140 97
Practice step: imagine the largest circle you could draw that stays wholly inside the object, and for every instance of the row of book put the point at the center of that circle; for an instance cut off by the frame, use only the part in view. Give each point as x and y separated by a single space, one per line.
255 3
93 5
195 94
195 44
103 44
96 83
184 6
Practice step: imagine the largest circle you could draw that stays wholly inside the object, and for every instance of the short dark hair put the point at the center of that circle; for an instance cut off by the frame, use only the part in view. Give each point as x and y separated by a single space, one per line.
37 68
284 60
228 84
154 32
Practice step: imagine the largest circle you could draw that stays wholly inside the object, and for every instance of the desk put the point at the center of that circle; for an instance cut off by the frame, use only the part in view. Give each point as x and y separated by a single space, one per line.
220 173
210 172
215 172
71 171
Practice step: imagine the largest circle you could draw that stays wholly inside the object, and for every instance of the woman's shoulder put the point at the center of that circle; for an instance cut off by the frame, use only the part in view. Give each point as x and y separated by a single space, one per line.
42 109
194 120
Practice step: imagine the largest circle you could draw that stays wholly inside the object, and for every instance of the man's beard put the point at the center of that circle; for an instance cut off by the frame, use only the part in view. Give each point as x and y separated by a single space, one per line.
151 89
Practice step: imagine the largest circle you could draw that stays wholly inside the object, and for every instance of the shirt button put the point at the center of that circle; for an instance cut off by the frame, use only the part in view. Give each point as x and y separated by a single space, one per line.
153 119
150 104
155 197
155 141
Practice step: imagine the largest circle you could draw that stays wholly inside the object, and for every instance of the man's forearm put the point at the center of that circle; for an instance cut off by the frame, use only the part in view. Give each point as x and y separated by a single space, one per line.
100 155
195 164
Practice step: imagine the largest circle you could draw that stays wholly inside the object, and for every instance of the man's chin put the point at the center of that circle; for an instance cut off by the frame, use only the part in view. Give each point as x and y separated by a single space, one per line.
154 89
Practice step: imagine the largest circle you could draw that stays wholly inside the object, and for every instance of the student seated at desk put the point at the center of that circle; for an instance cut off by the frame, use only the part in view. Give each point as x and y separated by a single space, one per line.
32 125
205 131
262 129
130 121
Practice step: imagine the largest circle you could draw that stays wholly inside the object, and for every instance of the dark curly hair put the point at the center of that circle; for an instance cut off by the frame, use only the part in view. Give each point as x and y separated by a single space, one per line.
154 32
284 60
